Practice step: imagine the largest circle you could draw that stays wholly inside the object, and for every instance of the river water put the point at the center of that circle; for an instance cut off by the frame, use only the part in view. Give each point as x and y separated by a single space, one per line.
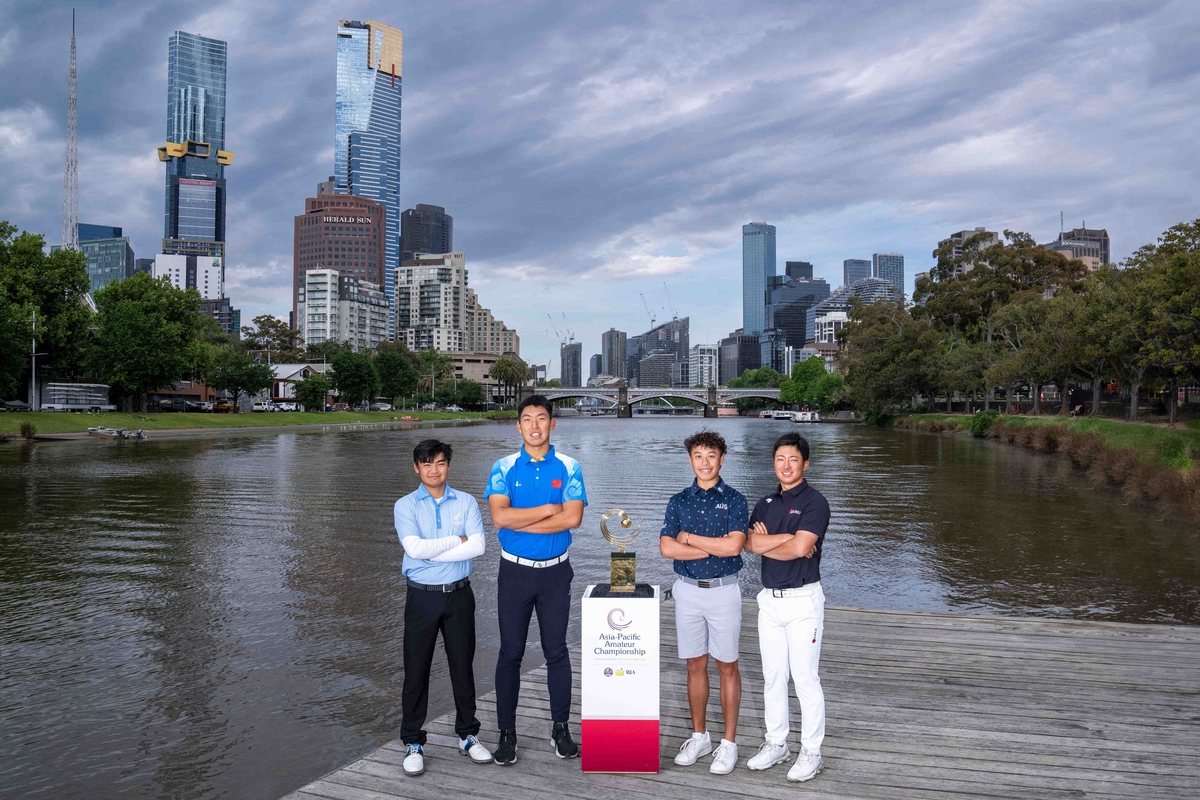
222 616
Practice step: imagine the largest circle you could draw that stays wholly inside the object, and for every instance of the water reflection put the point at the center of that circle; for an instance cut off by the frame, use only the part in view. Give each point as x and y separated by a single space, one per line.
208 617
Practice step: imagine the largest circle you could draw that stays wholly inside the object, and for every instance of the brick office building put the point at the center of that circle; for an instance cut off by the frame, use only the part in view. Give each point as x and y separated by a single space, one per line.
340 232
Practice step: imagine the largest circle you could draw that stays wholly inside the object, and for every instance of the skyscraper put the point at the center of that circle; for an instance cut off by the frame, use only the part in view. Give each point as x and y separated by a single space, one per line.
366 152
594 368
195 154
854 270
758 267
890 267
613 353
572 356
798 269
425 229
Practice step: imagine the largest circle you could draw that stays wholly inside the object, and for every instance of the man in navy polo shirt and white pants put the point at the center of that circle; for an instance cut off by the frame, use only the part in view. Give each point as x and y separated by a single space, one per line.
788 529
535 496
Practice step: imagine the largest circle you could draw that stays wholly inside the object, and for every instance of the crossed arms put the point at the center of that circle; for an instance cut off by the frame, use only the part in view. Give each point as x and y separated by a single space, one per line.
548 518
781 546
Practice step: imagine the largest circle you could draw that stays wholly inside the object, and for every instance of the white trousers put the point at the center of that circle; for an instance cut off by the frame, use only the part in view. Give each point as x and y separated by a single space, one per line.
790 630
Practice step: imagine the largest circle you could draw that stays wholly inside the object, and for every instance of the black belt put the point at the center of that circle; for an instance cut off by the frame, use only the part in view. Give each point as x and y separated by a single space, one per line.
445 588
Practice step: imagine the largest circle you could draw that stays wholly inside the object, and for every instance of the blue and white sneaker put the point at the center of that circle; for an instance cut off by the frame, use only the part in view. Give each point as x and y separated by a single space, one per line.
474 748
414 760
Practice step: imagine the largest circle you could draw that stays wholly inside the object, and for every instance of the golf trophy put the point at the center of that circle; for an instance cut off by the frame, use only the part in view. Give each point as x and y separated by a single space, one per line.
623 570
619 662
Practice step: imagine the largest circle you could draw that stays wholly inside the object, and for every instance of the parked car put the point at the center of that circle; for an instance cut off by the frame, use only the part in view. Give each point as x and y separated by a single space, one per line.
263 405
452 408
173 404
287 405
381 406
223 407
429 407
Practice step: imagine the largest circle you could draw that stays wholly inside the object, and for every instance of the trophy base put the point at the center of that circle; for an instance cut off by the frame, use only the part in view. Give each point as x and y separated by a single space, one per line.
623 572
641 591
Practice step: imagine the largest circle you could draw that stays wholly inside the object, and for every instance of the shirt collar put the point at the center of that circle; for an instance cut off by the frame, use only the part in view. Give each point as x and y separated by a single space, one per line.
524 457
792 492
423 493
695 487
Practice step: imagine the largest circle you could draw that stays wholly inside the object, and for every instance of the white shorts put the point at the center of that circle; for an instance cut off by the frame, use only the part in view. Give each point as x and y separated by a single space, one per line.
708 621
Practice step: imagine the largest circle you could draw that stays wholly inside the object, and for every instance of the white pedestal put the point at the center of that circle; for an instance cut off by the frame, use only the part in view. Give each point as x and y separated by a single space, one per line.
619 682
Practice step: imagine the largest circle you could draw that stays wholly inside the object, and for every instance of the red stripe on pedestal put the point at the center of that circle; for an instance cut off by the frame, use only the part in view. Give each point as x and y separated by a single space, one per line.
619 745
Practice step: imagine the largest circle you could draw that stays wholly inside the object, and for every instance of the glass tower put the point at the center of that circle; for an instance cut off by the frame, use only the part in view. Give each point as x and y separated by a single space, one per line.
758 267
854 270
366 129
195 155
425 229
890 267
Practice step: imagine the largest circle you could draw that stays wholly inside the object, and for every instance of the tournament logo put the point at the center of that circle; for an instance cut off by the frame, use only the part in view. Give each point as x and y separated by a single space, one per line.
616 620
608 672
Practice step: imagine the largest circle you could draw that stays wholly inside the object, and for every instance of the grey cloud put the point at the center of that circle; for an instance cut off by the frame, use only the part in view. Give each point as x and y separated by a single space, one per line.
588 153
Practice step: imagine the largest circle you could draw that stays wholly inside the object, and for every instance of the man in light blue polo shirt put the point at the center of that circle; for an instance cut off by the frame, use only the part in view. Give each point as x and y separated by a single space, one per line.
441 532
535 496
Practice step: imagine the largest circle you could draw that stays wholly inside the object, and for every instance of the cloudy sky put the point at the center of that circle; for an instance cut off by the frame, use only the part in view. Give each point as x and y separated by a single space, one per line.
590 153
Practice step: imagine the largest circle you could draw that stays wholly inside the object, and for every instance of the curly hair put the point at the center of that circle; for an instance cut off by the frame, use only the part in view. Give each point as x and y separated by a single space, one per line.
705 438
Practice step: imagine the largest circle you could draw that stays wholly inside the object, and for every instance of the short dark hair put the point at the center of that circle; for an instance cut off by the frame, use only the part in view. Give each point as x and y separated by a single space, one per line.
792 440
710 439
539 400
429 450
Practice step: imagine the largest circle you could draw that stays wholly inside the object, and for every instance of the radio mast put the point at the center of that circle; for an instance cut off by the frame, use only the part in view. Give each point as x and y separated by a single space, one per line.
70 222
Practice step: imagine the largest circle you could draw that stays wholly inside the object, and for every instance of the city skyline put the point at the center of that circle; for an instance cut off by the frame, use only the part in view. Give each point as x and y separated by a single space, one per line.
507 162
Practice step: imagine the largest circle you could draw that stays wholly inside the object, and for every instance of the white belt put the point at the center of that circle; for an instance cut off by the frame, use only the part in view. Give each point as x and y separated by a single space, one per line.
529 562
802 591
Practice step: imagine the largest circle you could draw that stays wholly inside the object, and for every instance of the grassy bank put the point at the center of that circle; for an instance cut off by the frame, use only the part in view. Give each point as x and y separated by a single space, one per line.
46 422
1148 463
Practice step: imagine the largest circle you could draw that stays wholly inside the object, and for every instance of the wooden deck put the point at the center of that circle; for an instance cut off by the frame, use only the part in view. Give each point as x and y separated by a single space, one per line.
918 706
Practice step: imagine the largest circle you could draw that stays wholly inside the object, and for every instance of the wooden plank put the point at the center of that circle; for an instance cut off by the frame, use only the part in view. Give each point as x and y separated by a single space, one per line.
918 706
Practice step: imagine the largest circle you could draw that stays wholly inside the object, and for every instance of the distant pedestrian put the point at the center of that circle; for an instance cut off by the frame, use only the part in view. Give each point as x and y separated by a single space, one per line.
441 532
536 496
788 529
704 530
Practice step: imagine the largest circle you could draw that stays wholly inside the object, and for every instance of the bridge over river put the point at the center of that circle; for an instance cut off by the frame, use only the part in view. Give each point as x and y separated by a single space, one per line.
625 398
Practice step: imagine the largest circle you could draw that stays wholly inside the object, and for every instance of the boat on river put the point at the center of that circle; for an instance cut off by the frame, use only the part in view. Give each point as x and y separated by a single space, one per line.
806 416
116 433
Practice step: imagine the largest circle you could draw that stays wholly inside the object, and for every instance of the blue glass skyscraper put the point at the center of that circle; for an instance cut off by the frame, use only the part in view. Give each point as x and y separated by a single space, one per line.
195 155
366 155
758 267
854 270
890 267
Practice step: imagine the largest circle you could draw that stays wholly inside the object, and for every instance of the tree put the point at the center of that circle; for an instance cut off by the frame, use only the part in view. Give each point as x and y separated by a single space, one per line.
354 377
805 376
312 391
889 357
145 334
54 287
510 372
397 374
234 371
324 351
433 368
273 336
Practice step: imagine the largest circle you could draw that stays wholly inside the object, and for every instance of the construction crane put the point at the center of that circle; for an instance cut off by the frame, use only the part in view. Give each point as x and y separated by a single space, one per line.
557 333
674 311
567 328
649 313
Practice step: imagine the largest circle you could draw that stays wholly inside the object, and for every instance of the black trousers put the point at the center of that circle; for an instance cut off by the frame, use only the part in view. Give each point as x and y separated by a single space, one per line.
425 614
521 591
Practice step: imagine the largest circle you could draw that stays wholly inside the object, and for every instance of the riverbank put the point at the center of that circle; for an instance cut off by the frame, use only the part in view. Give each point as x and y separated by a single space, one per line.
1148 463
54 424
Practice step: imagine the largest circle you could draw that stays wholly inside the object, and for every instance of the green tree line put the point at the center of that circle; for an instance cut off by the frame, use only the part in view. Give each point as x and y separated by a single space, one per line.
1013 317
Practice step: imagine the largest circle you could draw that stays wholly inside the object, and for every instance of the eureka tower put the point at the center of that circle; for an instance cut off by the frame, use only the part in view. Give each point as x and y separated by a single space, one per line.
366 155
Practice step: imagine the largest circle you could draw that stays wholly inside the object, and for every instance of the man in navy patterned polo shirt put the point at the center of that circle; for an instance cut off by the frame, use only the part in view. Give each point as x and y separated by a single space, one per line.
704 531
